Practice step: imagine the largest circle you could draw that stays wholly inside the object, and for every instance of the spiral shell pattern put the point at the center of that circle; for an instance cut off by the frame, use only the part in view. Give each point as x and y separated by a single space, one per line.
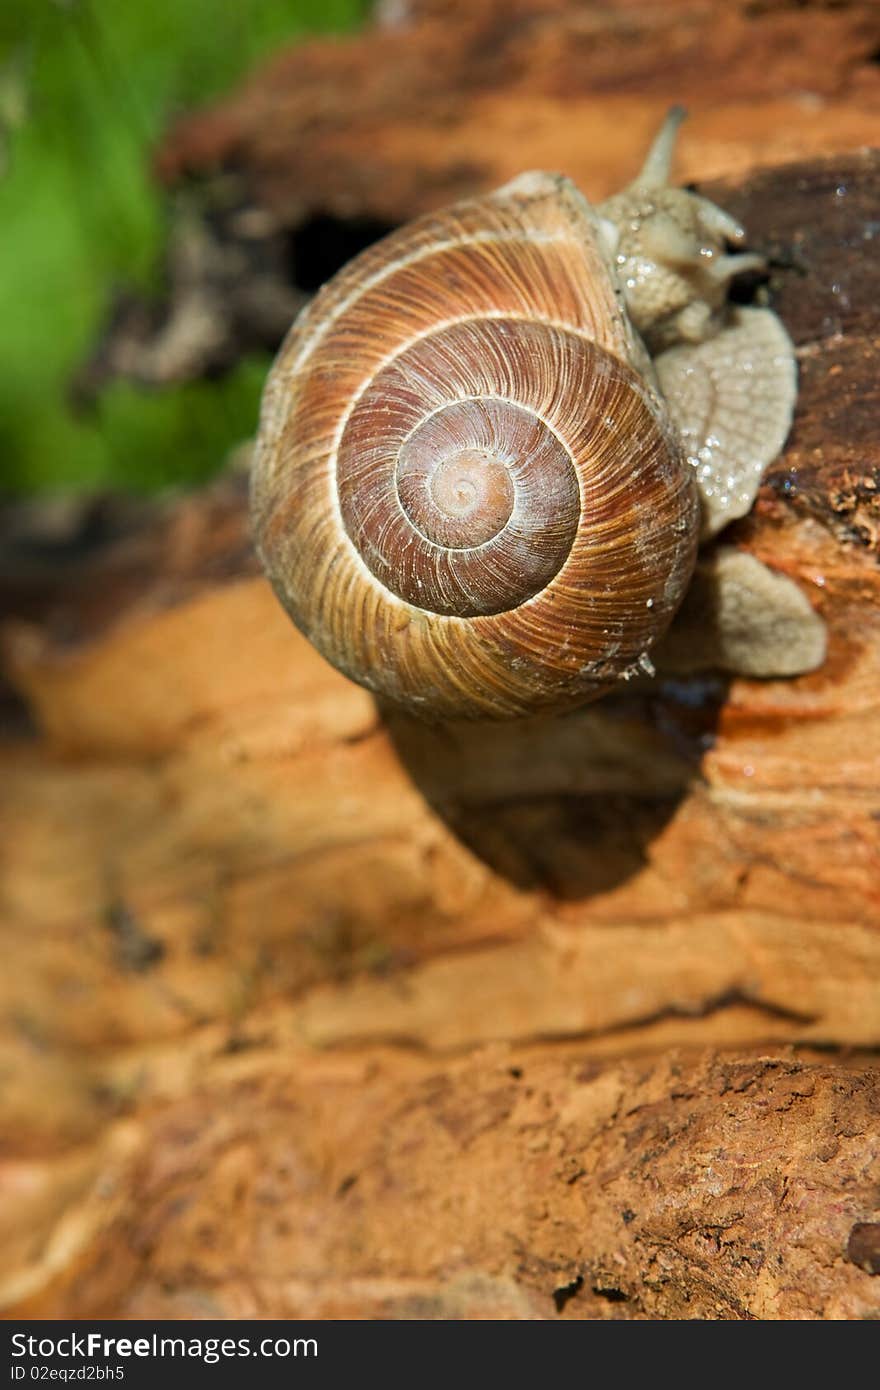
465 491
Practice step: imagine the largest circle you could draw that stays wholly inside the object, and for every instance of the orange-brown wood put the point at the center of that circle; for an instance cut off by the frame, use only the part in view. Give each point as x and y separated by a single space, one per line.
311 1010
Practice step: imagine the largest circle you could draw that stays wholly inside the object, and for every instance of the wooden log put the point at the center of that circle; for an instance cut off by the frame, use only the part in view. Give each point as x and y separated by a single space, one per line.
229 877
513 1183
333 143
449 97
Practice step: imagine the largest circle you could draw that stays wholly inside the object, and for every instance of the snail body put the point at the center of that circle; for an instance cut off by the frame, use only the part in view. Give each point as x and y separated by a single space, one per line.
474 489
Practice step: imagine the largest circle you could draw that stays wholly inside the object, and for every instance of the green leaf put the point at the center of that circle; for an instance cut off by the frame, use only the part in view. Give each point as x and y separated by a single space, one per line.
86 88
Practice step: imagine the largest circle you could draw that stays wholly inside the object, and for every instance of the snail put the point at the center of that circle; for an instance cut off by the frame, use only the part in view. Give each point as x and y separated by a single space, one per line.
491 446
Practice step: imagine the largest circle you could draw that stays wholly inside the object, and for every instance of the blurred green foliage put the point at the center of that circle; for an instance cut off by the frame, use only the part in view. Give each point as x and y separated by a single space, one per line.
86 88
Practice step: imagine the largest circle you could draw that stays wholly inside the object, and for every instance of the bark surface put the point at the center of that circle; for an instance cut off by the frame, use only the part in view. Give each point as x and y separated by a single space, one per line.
310 1010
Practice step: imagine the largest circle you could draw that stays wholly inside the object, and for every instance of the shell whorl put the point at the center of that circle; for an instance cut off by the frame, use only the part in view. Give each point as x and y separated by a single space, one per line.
465 493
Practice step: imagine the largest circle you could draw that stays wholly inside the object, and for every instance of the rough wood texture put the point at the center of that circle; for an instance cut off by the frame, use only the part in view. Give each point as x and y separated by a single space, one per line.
259 933
451 96
334 143
511 1184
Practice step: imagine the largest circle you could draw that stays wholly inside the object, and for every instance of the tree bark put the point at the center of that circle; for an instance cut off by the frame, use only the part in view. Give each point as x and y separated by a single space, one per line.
509 1183
426 1004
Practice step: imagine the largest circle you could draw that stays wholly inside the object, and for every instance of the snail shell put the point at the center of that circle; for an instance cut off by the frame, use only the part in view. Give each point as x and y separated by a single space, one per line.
468 490
458 447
